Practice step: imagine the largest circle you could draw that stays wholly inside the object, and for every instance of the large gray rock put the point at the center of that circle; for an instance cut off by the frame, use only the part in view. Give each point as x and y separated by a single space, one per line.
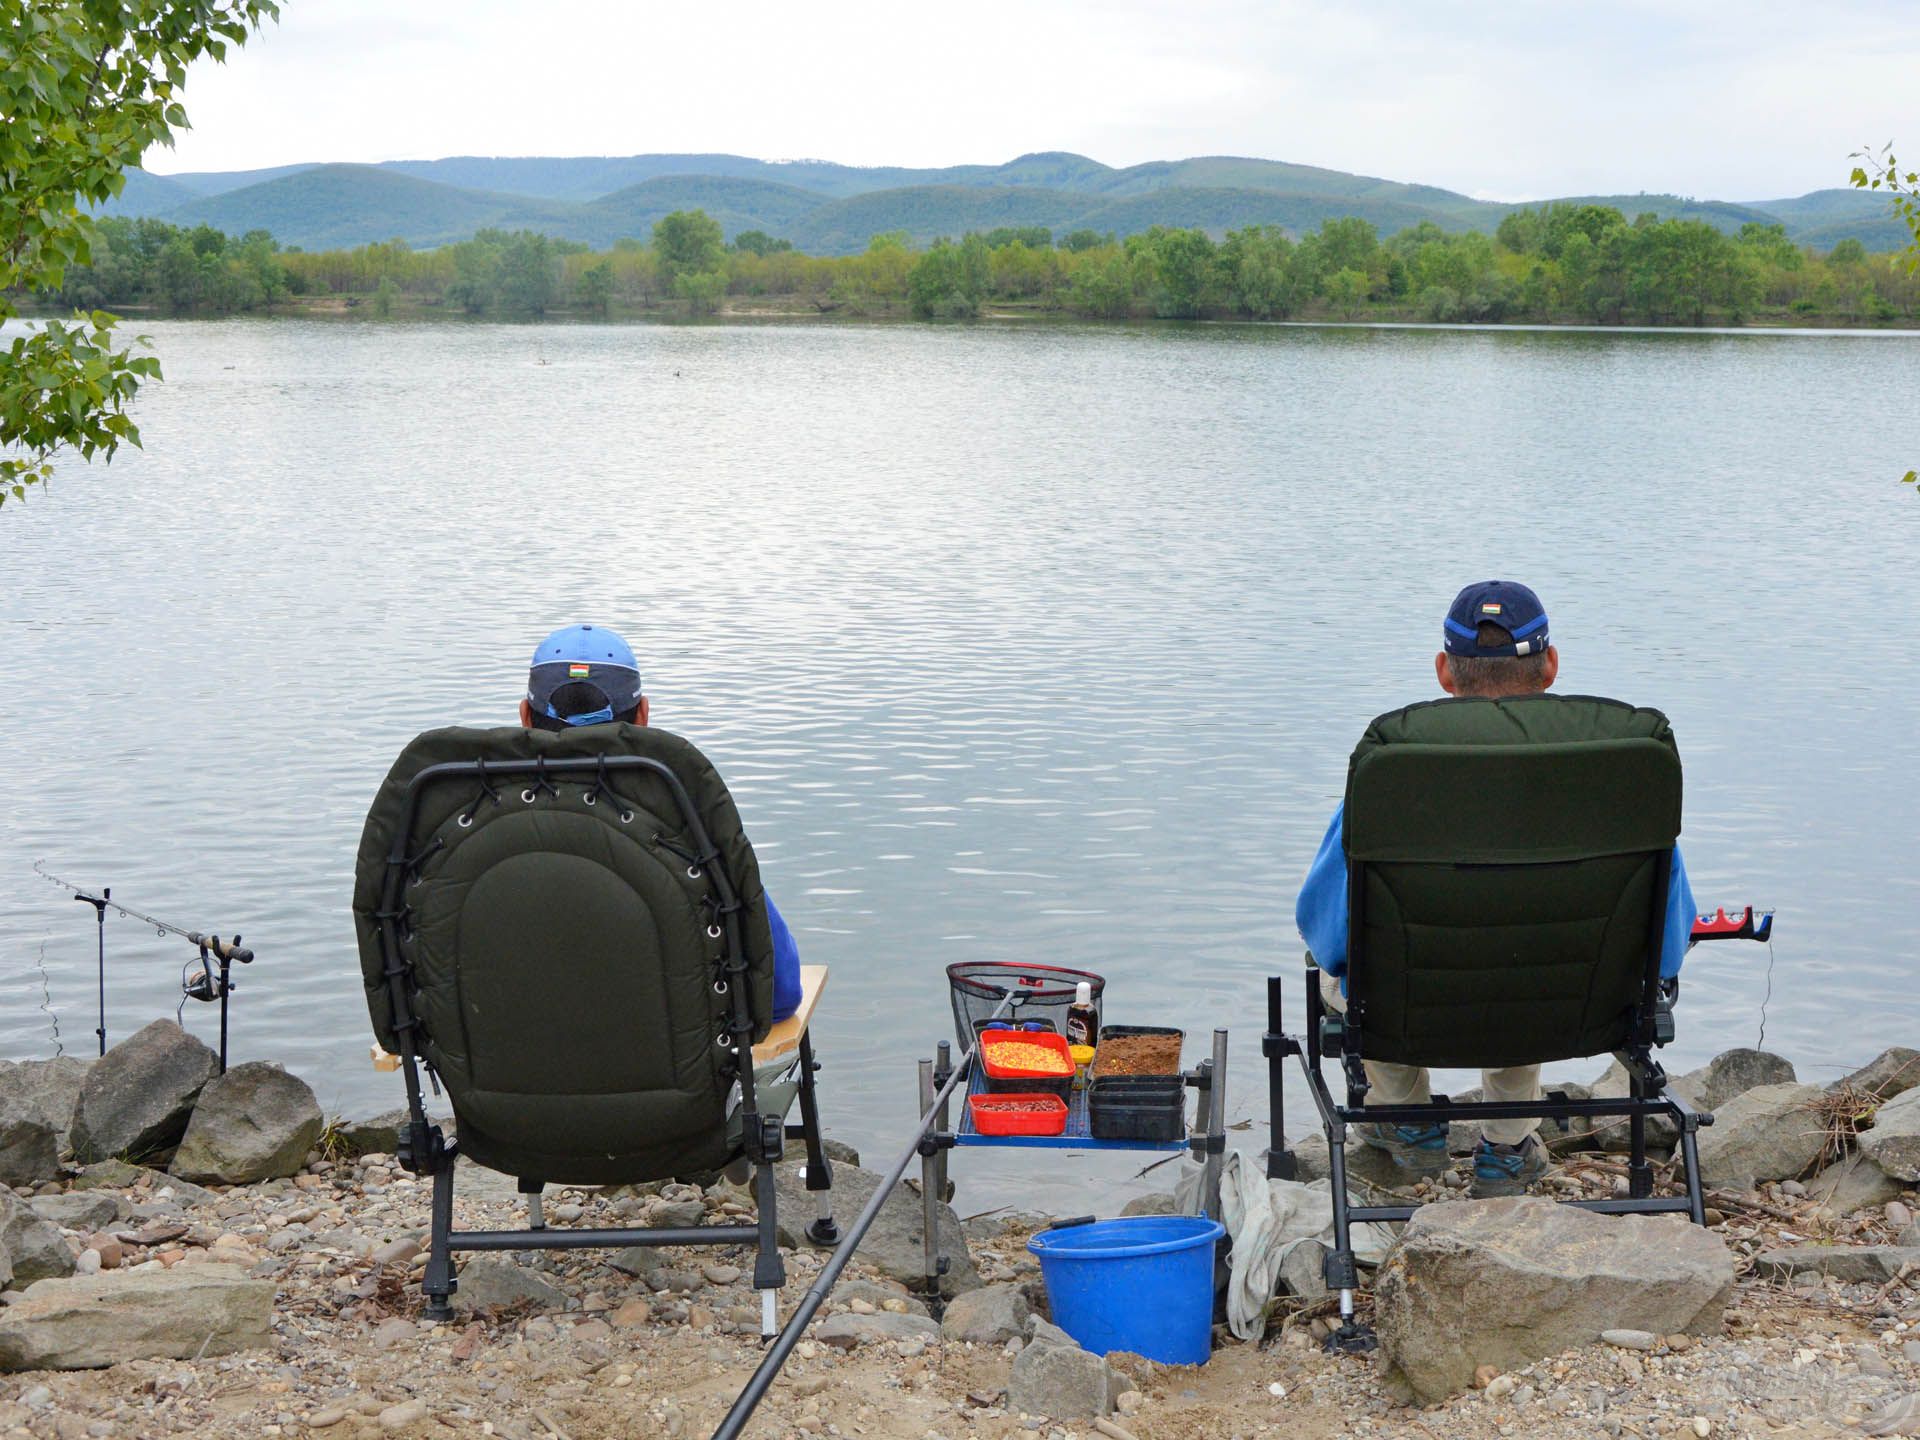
893 1245
46 1090
1721 1080
1853 1183
136 1099
1062 1382
37 1098
256 1122
1851 1264
29 1151
991 1315
492 1280
380 1134
1892 1072
1770 1133
1893 1143
87 1210
31 1247
91 1321
845 1332
1504 1282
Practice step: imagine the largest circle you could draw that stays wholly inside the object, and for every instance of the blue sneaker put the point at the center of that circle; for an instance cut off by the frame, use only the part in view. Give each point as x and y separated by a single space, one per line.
1507 1169
1420 1148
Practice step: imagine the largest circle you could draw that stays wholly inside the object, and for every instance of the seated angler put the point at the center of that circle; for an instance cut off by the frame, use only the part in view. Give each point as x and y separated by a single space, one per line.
587 675
1496 646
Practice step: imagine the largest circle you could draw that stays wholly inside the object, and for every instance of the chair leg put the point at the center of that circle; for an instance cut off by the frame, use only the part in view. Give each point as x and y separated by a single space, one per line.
536 1211
823 1230
439 1282
1639 1168
1342 1274
769 1271
1690 1160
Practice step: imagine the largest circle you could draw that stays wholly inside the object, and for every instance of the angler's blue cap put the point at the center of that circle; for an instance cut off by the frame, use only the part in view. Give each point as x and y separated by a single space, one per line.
1506 603
583 675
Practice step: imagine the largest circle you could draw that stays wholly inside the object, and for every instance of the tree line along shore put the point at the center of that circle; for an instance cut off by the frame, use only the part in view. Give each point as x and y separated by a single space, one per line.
1559 263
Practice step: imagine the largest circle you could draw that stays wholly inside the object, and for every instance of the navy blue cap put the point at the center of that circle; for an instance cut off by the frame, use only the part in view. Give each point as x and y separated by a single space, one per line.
1506 603
583 675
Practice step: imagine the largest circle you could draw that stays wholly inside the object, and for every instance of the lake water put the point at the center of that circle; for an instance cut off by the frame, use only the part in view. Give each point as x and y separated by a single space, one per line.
1045 643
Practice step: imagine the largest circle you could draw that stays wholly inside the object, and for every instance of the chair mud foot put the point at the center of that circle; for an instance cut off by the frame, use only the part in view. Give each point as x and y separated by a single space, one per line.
1351 1338
824 1230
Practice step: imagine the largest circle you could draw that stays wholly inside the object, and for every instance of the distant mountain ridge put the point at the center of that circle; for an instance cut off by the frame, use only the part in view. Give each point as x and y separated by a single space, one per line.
827 208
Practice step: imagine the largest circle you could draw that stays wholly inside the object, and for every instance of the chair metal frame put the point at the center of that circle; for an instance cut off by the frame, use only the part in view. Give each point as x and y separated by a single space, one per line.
424 1149
1330 1034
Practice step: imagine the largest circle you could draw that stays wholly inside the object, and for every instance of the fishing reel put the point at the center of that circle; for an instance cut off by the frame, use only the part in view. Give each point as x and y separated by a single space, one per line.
198 980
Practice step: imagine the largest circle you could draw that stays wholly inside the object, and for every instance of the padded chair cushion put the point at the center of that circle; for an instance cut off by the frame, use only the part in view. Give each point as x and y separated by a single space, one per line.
1507 856
562 962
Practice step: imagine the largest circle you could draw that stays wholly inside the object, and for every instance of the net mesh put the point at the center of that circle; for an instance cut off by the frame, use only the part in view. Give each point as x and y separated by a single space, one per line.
1040 992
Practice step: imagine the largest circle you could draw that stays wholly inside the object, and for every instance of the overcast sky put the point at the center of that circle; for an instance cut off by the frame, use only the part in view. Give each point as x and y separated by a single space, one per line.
1728 99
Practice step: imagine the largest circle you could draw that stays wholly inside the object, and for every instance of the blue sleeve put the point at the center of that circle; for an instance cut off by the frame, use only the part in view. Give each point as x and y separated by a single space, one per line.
1321 910
1680 913
786 965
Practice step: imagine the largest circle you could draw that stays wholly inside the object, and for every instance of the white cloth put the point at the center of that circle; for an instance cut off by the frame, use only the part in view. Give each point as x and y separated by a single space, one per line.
1266 1219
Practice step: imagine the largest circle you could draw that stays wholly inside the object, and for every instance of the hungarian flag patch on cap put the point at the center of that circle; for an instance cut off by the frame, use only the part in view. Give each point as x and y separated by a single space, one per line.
577 670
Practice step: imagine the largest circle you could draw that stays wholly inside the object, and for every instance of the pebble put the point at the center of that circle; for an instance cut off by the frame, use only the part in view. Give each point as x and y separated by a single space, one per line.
632 1313
568 1213
1129 1402
1484 1375
1899 1217
397 1417
1702 1426
1911 1350
1631 1339
721 1274
393 1332
397 1252
328 1415
1500 1387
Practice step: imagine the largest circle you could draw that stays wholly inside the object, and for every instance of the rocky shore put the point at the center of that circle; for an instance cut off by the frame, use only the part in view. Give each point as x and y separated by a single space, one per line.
233 1287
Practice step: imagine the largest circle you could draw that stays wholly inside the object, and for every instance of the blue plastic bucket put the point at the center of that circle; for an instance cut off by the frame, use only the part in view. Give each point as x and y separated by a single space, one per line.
1143 1284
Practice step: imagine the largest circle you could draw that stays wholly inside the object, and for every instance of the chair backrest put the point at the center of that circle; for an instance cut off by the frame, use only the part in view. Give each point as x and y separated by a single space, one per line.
1507 864
557 903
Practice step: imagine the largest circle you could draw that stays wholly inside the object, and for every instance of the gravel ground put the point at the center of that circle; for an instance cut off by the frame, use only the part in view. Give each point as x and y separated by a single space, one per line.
665 1355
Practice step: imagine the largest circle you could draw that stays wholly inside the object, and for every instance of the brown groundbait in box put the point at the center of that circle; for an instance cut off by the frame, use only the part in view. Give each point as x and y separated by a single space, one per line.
1138 1050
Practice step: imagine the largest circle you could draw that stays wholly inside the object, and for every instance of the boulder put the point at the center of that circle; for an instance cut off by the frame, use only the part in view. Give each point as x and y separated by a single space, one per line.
136 1099
844 1332
1892 1072
1372 1175
256 1122
31 1247
78 1209
893 1244
1721 1080
1062 1382
1769 1133
1853 1183
1505 1282
91 1321
1893 1143
1161 1202
380 1134
29 1151
45 1090
991 1315
36 1110
492 1280
1849 1264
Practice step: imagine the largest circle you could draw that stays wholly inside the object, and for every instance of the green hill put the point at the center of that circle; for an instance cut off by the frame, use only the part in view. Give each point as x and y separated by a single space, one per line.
830 208
341 205
737 204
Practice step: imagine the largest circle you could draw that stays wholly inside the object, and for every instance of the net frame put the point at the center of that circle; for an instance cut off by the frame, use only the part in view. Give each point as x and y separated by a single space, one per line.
1044 992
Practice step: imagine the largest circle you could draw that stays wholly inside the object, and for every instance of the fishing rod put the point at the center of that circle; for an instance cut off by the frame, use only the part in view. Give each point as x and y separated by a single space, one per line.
195 984
816 1295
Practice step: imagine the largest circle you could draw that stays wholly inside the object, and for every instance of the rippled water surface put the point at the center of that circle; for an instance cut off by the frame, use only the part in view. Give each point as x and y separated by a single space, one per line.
1034 643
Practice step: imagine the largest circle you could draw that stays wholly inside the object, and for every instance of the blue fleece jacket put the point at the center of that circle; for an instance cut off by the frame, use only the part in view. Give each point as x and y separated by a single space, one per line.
786 965
1321 911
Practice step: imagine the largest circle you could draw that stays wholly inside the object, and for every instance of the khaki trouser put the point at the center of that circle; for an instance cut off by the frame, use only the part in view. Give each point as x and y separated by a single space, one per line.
1407 1084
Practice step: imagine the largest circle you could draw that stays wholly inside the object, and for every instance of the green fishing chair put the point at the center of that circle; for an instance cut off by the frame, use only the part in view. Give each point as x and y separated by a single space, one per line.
568 930
1507 881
